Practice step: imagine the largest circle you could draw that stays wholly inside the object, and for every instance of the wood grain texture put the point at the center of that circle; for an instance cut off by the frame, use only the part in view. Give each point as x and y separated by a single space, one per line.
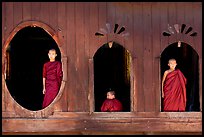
74 25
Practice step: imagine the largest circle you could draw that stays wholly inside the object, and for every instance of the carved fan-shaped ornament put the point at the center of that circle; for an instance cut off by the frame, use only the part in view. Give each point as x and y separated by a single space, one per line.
176 28
108 30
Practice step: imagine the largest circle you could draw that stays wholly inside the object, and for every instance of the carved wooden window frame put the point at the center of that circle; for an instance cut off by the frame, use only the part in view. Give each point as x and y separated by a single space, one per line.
19 110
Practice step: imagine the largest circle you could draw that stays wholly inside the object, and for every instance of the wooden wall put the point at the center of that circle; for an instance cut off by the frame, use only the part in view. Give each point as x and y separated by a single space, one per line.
78 22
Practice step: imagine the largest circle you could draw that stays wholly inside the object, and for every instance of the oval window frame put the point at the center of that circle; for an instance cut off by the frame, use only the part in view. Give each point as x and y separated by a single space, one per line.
20 110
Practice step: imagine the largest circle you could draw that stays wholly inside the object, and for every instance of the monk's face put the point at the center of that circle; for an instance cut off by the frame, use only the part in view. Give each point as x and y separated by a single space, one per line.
110 96
172 64
52 54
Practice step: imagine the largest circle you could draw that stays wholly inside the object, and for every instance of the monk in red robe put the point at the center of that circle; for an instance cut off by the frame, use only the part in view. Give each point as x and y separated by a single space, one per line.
52 77
174 89
111 104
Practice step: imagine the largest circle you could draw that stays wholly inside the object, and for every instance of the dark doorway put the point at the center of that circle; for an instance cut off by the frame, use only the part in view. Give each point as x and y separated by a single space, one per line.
26 54
187 62
112 71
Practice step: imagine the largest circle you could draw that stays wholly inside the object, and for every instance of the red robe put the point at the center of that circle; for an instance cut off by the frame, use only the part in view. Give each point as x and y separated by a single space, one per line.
110 105
175 91
52 72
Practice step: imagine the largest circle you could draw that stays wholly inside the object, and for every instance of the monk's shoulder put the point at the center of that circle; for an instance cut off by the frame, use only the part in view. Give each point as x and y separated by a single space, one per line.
166 72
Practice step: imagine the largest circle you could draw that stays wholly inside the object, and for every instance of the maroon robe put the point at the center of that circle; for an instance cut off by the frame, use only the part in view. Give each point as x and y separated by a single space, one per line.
175 91
52 72
110 105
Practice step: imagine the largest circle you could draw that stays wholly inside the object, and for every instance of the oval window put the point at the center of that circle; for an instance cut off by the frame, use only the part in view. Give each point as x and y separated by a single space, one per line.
26 54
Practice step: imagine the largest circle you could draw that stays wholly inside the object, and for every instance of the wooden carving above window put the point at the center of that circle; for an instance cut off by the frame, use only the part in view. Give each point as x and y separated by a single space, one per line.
176 28
108 30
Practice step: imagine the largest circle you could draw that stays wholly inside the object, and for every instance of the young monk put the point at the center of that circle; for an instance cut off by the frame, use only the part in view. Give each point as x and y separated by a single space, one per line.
174 88
111 104
52 77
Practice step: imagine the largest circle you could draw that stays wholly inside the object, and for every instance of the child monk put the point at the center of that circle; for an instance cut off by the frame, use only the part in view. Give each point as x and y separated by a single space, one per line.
52 77
111 104
173 88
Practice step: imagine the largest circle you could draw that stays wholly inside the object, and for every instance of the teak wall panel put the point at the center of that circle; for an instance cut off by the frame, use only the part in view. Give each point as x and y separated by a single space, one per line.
94 26
180 18
54 15
26 11
172 13
102 20
78 23
2 42
156 53
197 27
164 23
44 12
87 29
62 24
17 13
197 15
147 62
71 51
111 17
80 60
9 18
188 15
128 42
35 10
138 54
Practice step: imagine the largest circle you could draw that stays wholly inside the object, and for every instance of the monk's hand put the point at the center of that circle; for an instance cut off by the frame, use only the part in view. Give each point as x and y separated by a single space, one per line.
43 90
162 95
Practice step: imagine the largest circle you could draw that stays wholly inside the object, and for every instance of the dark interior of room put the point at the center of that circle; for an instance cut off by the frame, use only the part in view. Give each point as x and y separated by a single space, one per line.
110 73
27 52
187 62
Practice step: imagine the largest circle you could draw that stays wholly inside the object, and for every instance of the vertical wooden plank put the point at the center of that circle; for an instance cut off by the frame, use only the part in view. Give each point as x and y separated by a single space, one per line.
147 62
9 17
188 11
88 96
111 19
138 54
93 41
35 10
164 25
91 88
53 9
3 22
120 19
87 29
61 105
94 27
128 21
18 13
197 26
82 71
128 43
26 11
156 34
197 19
180 19
102 9
171 21
134 85
3 41
72 95
44 12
